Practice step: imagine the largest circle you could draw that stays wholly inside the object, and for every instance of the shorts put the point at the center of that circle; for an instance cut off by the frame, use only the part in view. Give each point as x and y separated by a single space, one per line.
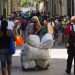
5 59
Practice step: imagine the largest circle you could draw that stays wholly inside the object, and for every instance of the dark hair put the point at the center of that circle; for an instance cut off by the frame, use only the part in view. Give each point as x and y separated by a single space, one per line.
1 17
10 18
4 25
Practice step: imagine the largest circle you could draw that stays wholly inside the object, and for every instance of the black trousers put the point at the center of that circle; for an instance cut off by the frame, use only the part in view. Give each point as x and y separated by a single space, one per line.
71 56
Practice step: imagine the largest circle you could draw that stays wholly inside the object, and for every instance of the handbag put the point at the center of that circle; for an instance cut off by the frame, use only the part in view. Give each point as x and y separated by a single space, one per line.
12 46
19 41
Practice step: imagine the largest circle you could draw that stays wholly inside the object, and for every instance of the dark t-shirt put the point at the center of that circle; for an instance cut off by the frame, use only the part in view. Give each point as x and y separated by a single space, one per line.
4 40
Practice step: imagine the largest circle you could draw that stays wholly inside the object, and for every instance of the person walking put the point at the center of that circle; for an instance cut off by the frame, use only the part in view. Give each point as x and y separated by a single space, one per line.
70 44
6 48
11 24
33 27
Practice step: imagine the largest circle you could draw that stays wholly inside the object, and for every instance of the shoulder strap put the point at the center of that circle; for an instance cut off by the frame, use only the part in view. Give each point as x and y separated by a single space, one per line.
71 27
74 28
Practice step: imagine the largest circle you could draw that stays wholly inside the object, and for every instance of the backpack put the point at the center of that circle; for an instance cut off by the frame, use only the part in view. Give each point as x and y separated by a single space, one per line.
71 39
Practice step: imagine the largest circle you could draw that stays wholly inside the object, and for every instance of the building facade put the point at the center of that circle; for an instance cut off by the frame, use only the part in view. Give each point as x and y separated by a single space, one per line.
71 7
7 6
15 4
61 7
3 6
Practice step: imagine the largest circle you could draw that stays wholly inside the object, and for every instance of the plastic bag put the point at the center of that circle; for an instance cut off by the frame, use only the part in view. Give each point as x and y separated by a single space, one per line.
29 52
34 40
36 53
19 41
47 41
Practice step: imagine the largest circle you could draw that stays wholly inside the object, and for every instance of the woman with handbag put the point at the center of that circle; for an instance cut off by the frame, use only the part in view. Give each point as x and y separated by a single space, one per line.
7 48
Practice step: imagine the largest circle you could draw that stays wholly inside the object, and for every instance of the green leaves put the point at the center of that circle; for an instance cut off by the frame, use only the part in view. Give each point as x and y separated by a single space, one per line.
24 2
28 2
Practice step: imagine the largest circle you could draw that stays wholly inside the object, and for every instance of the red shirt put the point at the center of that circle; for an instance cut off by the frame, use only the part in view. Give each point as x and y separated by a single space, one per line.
68 29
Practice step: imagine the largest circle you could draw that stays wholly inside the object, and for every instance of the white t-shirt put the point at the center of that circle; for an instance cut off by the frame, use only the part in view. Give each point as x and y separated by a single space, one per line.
10 25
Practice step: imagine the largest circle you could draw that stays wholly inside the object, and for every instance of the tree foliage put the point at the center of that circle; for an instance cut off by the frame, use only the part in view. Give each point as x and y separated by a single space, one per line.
24 2
27 2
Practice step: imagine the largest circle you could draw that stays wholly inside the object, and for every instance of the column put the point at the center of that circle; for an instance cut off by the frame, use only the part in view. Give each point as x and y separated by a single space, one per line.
73 7
64 7
69 7
1 7
49 7
9 7
57 8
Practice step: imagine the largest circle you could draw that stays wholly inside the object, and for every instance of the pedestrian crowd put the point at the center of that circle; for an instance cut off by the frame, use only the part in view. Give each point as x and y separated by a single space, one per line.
23 26
17 29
